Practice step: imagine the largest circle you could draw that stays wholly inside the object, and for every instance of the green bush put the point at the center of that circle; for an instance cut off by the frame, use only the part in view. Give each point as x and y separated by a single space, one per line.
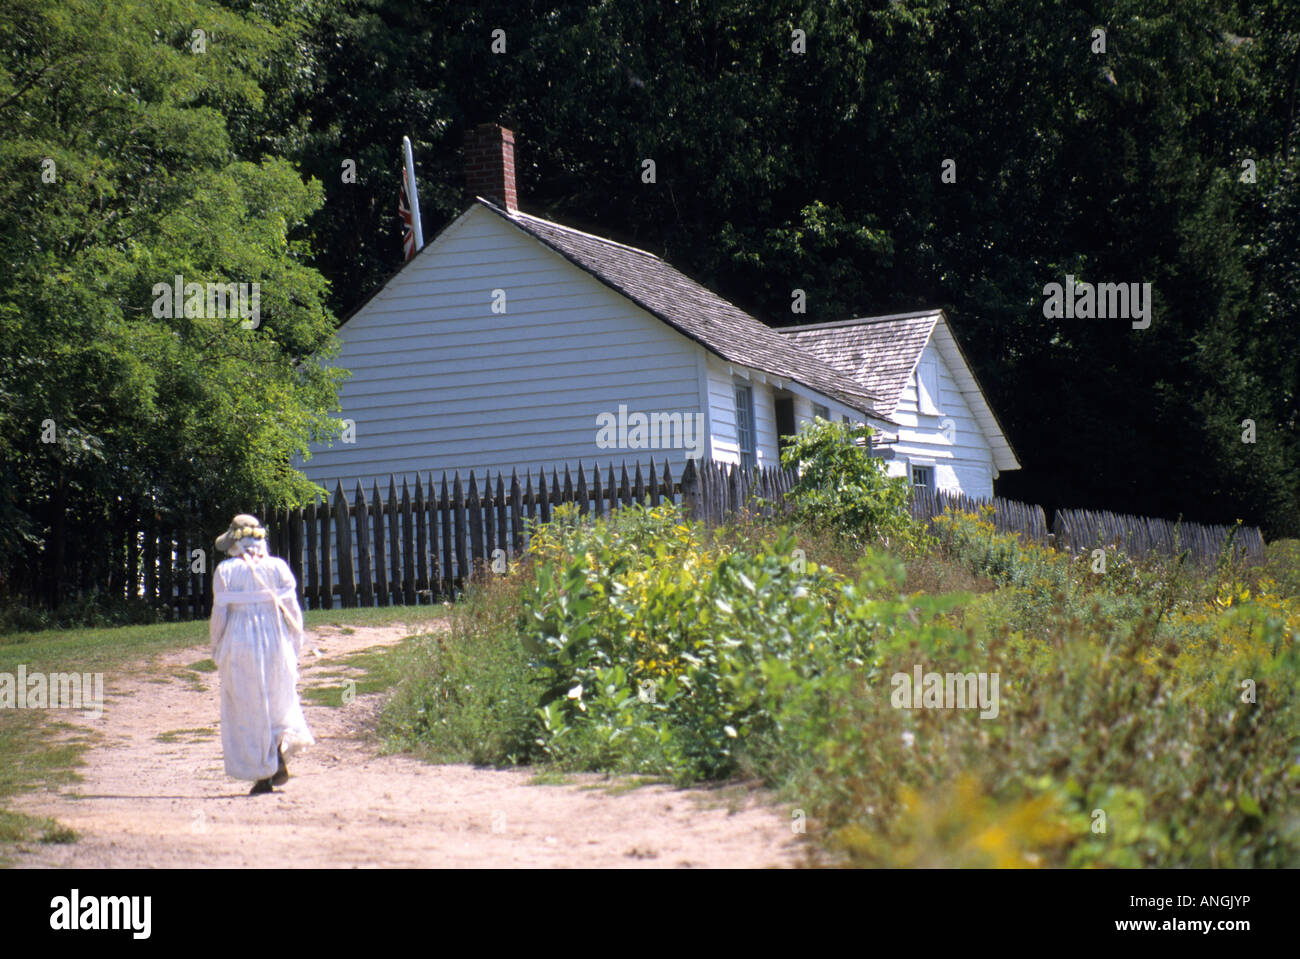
666 653
843 487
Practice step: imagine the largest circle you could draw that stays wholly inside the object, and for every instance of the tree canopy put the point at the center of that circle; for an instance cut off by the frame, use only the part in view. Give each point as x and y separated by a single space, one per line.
1119 161
880 156
133 155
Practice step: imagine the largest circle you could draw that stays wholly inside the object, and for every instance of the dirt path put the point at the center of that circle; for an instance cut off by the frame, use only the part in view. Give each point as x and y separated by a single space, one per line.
155 794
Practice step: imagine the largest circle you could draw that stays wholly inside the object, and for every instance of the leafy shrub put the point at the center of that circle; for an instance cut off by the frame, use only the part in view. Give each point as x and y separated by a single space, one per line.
843 487
663 652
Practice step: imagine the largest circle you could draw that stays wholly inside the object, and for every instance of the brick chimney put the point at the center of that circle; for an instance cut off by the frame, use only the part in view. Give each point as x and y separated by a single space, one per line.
490 165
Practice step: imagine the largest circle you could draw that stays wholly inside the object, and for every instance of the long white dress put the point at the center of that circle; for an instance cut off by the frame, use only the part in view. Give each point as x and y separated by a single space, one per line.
256 648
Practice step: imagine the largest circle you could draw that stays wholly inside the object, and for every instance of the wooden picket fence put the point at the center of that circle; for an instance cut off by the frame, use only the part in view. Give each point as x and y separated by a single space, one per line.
418 543
1009 516
422 547
1077 530
712 493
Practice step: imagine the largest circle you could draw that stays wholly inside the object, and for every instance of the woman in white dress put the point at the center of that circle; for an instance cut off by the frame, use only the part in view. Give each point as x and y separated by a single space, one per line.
256 633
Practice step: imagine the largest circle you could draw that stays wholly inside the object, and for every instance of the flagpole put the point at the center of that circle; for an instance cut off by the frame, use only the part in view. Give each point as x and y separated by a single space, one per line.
415 198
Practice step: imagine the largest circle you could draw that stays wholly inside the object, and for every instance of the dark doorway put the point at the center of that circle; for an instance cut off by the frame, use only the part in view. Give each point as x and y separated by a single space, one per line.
784 421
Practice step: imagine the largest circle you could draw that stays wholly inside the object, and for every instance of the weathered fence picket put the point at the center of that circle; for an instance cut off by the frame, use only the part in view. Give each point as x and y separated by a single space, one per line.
325 598
362 516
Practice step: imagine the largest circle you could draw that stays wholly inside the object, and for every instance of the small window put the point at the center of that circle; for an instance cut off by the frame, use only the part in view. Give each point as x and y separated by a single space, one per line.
821 412
745 425
923 477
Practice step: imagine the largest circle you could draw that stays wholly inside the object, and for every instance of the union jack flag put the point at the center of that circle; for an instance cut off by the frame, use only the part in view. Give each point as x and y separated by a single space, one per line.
408 221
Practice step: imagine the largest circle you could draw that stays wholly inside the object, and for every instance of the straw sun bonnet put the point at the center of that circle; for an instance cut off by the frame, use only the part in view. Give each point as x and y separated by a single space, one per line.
241 527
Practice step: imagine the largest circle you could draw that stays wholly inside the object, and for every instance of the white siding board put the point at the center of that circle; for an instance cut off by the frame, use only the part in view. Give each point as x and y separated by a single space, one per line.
469 358
445 401
966 464
723 440
765 438
442 383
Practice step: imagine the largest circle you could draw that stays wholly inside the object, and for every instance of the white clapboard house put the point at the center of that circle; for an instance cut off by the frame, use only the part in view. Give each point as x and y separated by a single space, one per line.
513 342
947 436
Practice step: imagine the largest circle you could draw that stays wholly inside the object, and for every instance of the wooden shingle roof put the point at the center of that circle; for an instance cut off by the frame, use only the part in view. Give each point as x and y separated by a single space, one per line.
880 351
695 311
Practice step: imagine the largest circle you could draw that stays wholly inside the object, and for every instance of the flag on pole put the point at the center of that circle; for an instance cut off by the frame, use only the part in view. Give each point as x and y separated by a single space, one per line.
408 206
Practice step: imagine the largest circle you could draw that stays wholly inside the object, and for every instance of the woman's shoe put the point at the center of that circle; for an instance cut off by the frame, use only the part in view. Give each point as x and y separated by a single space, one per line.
259 787
282 774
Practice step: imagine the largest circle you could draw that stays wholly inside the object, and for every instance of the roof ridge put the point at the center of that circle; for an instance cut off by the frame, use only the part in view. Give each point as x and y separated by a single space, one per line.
520 214
858 321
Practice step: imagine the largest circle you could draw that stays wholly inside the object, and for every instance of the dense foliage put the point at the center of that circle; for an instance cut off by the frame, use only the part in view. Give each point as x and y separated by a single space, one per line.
843 487
1147 714
134 154
819 170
